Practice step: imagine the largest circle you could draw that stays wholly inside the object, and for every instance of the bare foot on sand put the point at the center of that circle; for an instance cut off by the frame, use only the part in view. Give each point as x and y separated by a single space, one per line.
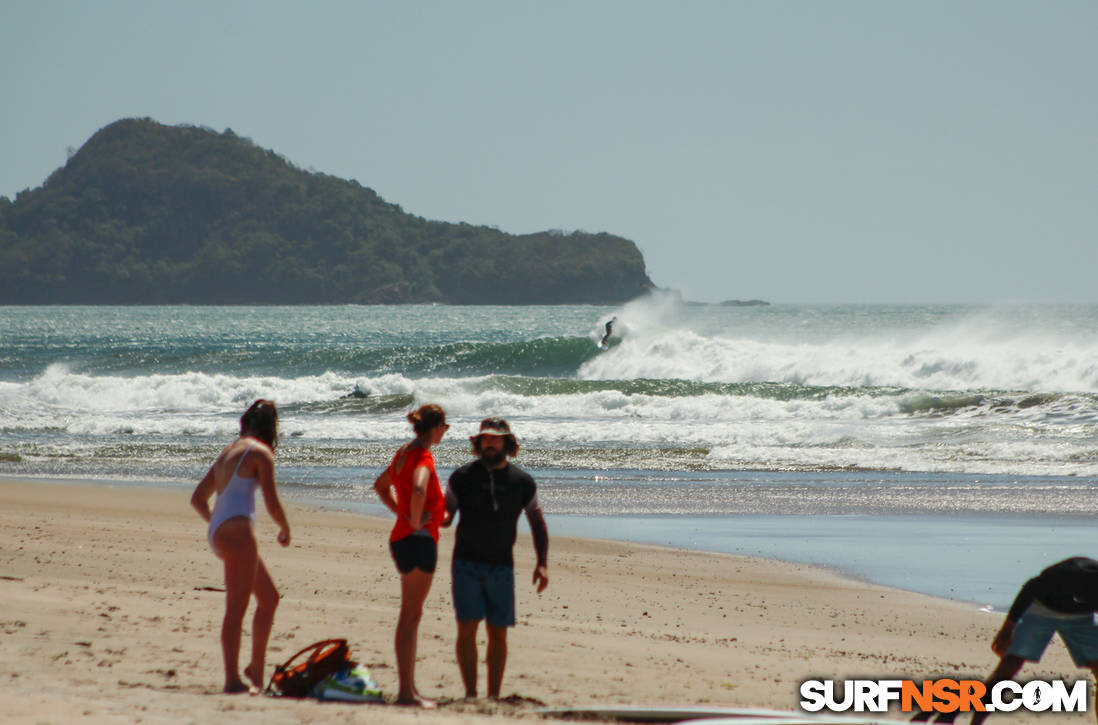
237 687
255 674
417 700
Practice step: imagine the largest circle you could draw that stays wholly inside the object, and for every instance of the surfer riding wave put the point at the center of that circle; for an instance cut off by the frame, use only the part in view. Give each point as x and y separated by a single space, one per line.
609 332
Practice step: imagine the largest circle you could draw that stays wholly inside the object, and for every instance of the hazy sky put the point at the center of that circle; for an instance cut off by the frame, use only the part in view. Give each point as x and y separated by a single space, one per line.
811 151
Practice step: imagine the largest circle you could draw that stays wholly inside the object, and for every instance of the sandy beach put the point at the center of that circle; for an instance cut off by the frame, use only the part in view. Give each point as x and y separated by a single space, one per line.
111 607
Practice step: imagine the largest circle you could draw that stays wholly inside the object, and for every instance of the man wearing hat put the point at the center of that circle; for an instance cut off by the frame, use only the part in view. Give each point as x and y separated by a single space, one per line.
490 493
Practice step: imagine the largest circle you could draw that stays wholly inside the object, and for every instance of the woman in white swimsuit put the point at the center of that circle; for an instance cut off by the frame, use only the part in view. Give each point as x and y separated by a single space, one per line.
243 466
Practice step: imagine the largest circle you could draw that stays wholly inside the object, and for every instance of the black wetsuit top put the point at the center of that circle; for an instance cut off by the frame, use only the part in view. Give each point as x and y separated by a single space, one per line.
609 332
490 502
1069 586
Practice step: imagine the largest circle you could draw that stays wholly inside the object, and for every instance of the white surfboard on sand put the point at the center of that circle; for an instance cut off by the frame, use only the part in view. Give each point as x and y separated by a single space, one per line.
790 718
709 716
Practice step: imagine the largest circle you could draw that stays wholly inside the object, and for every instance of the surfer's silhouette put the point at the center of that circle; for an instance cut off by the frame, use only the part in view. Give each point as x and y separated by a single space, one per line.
609 331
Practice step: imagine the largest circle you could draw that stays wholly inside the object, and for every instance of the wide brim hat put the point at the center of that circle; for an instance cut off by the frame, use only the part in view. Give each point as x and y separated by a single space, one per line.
493 427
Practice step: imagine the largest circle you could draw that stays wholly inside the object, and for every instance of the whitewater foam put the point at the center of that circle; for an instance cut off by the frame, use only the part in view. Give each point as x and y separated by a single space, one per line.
700 387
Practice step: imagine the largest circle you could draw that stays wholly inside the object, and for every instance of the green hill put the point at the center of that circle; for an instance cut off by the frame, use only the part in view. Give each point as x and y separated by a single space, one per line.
150 214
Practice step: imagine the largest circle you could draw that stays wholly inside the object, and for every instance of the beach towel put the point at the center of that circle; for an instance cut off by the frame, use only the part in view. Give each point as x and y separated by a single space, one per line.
353 684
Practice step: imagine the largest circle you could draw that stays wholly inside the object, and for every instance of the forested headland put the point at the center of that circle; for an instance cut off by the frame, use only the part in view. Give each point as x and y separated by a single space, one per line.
145 213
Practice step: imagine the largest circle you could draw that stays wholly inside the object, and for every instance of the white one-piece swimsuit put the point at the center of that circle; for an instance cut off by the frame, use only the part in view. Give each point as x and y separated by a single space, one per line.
237 499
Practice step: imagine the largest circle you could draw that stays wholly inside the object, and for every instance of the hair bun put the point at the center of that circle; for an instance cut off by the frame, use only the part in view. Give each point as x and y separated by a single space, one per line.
426 417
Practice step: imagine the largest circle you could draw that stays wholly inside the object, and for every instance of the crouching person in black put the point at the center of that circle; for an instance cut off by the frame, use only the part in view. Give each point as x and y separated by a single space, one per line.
1062 598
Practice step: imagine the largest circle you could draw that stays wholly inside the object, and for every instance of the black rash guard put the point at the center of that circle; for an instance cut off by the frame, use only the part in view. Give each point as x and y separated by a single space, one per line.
1070 586
490 501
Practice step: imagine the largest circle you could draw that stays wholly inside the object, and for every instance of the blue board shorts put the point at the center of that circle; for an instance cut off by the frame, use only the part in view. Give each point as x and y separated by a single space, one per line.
484 591
1034 631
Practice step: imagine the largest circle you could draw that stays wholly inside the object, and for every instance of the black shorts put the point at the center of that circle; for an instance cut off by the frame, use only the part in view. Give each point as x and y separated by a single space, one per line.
415 551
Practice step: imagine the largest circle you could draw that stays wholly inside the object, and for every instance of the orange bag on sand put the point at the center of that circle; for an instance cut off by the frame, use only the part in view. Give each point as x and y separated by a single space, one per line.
325 658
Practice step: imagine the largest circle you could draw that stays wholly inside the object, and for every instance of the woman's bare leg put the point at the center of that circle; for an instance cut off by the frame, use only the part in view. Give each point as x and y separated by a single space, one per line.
266 601
236 546
414 587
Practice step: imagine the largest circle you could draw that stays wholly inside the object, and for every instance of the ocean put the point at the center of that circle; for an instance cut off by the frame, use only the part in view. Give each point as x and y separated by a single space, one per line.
946 449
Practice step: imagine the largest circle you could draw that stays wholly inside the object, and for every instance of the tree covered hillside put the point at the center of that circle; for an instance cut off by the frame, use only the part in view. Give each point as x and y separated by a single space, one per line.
153 214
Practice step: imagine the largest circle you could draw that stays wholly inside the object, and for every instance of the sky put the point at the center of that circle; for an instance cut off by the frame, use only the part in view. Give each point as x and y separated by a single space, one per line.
841 151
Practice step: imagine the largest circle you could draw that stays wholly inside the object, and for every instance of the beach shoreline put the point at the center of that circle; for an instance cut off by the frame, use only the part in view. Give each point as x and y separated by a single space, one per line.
110 613
928 552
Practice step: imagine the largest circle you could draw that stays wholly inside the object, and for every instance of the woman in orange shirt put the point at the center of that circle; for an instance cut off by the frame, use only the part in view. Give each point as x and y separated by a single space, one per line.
410 488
